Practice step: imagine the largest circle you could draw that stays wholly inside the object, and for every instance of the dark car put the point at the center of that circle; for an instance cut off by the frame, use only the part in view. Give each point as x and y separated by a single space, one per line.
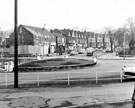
81 51
89 51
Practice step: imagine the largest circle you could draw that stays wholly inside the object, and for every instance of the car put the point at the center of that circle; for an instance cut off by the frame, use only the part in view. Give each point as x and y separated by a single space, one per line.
89 51
73 52
128 71
108 50
81 51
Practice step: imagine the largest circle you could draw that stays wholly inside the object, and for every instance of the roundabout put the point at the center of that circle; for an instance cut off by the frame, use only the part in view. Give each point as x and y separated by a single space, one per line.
56 64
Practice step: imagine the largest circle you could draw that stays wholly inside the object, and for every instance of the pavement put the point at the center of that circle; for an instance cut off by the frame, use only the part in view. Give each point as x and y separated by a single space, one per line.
118 95
110 56
99 96
103 56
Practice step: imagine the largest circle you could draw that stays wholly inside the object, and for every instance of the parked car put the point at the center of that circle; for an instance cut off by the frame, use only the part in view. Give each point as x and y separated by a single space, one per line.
108 50
128 71
89 51
81 51
73 52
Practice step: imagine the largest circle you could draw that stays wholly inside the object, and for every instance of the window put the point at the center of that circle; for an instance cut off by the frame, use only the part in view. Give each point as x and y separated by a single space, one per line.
20 31
62 40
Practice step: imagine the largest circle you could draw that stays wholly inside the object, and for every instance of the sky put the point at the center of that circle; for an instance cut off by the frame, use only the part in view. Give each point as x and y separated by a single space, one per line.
93 15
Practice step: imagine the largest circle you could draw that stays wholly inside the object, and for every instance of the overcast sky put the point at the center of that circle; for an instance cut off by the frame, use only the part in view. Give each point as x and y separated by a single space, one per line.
92 14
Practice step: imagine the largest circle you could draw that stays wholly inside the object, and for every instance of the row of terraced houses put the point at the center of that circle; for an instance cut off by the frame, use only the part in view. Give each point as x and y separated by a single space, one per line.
40 41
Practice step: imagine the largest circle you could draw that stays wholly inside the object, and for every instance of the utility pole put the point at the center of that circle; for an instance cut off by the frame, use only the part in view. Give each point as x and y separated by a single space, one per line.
15 48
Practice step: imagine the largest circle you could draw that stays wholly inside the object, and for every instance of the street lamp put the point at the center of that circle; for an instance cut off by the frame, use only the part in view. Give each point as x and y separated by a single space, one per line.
124 41
44 40
56 44
124 46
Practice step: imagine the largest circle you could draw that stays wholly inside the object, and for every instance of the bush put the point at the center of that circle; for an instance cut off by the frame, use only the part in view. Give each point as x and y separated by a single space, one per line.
127 52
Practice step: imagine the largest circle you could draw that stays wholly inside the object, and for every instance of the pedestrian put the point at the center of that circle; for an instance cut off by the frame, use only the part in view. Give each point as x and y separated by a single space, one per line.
38 57
60 50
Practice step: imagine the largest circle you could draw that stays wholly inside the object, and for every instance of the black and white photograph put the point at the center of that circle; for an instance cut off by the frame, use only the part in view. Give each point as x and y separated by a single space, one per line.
67 53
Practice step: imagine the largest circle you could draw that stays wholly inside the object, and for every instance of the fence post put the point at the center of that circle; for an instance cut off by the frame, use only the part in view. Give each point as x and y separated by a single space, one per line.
38 79
96 78
68 79
6 79
6 70
121 76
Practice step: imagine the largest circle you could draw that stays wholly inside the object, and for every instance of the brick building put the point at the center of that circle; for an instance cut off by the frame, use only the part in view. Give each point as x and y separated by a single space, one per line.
33 41
87 39
60 40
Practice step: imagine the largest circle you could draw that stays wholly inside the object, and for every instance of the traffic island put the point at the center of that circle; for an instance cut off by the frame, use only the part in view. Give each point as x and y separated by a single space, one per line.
56 64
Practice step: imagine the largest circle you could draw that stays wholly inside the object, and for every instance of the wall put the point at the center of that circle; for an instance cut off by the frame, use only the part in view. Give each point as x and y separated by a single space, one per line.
29 49
24 37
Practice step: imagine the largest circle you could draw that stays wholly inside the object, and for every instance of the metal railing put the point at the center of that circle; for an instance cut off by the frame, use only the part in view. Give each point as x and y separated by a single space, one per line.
60 76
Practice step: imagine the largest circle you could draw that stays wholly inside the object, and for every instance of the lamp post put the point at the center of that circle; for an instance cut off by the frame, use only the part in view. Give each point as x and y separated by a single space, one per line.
15 48
2 46
44 39
124 46
87 40
56 44
124 41
1 33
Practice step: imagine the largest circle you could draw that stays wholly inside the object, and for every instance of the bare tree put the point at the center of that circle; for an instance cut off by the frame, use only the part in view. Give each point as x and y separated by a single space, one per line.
111 33
131 24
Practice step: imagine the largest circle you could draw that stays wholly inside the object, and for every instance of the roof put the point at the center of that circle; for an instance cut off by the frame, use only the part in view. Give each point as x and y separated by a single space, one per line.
58 35
67 32
61 32
37 31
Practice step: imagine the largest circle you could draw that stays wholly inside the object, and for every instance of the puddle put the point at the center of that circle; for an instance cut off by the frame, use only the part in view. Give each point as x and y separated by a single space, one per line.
29 102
